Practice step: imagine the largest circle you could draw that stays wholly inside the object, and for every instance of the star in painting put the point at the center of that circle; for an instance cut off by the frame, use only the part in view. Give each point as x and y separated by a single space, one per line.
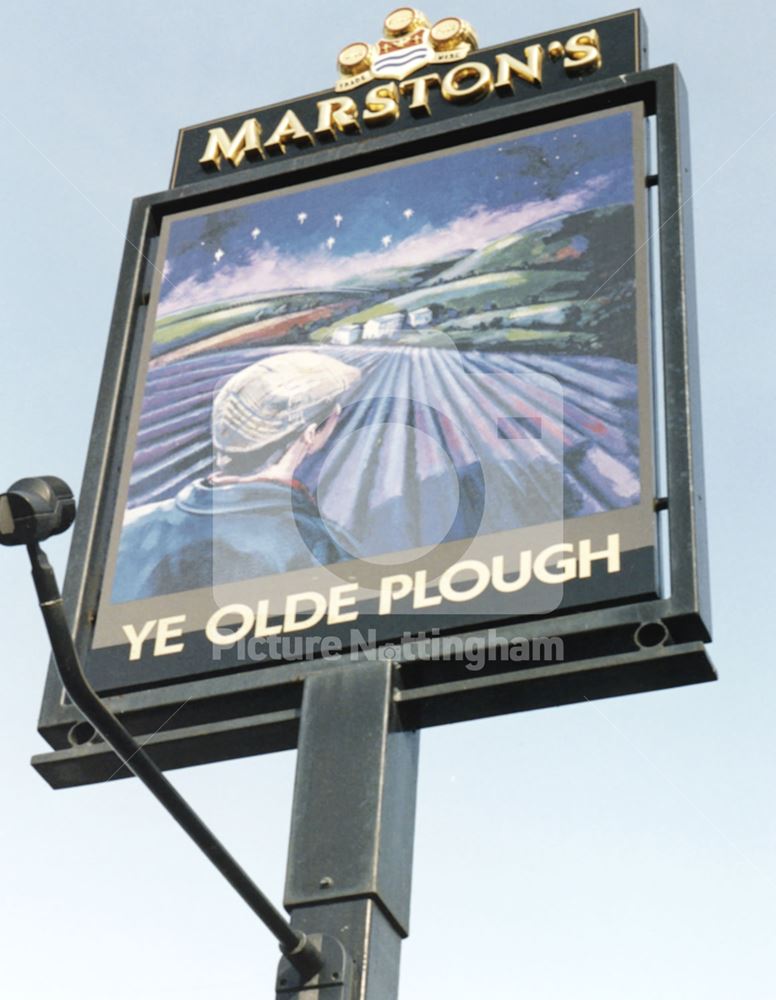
301 218
255 232
408 213
218 255
330 242
386 241
337 220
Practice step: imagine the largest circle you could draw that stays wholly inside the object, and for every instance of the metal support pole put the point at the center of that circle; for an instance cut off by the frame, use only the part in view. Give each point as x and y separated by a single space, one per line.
352 830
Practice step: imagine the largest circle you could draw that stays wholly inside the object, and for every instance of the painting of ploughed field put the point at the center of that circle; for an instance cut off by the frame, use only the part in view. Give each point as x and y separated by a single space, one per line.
489 296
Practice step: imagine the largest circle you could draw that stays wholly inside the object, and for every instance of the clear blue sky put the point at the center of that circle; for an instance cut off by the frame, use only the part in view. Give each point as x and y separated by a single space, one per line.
617 850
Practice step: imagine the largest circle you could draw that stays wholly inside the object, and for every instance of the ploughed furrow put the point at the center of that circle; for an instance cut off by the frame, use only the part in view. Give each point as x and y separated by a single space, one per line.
431 445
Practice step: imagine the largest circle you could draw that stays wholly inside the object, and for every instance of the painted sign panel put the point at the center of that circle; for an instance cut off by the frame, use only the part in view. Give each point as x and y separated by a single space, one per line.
419 391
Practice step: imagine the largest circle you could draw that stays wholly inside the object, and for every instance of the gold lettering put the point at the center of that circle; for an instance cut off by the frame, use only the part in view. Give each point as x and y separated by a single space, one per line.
289 129
548 570
337 114
504 586
247 143
382 105
418 88
475 587
587 557
583 53
482 86
530 71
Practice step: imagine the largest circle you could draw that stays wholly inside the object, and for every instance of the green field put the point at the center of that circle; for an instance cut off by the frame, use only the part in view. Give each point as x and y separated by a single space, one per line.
551 285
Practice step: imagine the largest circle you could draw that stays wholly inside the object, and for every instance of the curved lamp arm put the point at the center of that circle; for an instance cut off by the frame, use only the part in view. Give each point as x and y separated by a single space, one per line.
295 946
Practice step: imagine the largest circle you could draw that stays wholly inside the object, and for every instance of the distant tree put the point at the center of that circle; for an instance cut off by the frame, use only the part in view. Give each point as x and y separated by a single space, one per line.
573 315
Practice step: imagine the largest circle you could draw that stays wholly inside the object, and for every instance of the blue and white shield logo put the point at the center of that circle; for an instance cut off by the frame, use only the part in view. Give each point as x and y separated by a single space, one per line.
395 60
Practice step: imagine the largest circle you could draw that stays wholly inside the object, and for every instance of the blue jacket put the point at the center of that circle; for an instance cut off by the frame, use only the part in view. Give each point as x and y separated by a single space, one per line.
215 534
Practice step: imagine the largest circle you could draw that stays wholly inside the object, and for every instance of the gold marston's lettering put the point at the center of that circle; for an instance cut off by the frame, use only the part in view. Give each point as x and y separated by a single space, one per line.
418 88
530 71
382 105
455 87
464 83
247 143
337 114
289 129
583 53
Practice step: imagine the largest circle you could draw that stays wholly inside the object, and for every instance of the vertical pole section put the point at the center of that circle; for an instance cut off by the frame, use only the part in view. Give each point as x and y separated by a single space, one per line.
353 822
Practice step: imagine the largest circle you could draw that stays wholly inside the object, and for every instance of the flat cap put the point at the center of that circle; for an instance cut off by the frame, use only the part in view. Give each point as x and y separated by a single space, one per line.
277 395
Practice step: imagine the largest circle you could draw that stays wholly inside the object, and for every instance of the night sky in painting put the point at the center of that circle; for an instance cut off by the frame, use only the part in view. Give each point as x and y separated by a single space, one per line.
376 213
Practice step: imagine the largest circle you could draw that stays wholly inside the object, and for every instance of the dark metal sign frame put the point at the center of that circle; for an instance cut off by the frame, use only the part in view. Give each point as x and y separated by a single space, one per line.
622 39
614 650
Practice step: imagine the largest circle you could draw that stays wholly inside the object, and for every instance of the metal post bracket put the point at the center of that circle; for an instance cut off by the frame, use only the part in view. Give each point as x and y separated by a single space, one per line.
335 980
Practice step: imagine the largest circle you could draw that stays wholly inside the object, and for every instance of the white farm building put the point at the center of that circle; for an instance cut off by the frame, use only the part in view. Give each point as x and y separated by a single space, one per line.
384 327
419 317
347 334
